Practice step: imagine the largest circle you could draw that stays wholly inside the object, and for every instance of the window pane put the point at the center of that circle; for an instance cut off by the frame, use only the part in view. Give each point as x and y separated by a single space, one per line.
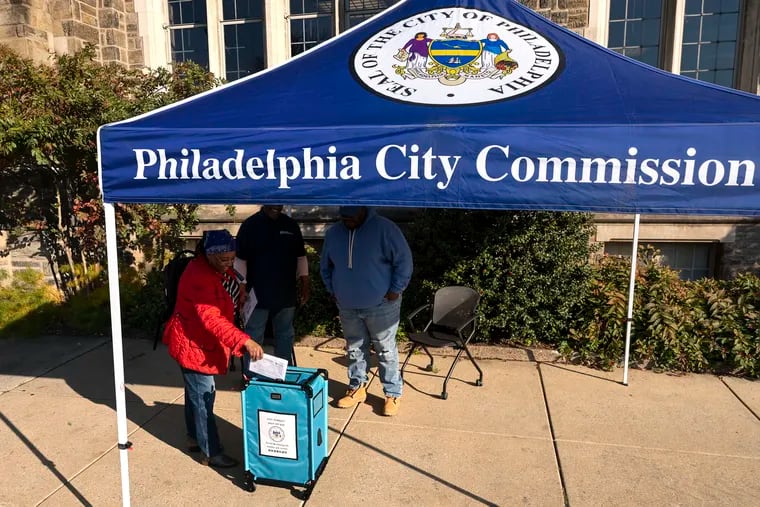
710 28
311 29
355 19
635 27
243 50
306 33
689 56
310 6
709 6
616 35
726 55
728 26
729 5
296 32
228 9
182 12
635 9
707 56
242 9
652 8
376 5
634 52
683 258
325 28
360 10
707 76
667 254
693 7
692 260
714 35
190 44
724 78
633 33
691 29
701 255
649 56
617 9
650 32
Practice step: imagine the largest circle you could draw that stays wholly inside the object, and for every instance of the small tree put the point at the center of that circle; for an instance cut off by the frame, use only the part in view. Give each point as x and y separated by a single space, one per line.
49 192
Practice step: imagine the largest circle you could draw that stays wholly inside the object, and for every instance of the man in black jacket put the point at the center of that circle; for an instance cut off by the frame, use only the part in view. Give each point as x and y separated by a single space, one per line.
272 246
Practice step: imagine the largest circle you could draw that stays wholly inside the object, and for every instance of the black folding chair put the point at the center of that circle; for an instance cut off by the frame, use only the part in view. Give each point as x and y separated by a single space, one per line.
452 323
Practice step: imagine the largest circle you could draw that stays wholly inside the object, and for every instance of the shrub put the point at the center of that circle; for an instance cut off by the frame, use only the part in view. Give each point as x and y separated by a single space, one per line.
745 346
691 326
531 268
143 302
598 336
319 316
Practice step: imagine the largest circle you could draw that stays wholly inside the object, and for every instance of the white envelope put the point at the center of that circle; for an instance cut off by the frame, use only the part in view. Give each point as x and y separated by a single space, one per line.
269 366
248 307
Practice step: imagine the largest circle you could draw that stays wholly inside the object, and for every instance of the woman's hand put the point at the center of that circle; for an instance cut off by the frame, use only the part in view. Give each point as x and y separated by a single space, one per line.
254 350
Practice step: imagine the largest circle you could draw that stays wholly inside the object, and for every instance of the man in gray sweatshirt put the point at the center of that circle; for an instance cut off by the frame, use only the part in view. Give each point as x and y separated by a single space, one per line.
366 264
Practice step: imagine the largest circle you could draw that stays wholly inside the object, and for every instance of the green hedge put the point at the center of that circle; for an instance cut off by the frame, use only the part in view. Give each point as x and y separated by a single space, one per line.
693 326
537 285
531 268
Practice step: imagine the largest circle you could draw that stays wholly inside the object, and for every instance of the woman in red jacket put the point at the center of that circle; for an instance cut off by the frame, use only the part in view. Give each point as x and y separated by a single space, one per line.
201 336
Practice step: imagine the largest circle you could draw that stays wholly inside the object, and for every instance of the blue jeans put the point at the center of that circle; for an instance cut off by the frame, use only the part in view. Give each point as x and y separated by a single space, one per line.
200 393
376 326
282 326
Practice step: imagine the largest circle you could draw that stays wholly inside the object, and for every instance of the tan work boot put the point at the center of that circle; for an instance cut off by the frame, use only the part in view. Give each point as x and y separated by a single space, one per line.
391 406
353 397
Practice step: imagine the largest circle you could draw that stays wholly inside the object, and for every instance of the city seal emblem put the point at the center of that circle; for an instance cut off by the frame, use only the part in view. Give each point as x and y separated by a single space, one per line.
455 56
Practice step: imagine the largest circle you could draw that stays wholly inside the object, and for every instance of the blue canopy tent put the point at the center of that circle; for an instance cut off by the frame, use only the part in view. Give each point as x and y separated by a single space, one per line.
442 103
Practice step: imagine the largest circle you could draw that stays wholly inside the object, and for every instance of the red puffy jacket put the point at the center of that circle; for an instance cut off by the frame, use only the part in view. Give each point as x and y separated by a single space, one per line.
201 333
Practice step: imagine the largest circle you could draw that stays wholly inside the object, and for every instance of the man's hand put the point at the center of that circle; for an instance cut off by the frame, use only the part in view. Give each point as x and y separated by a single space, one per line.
391 296
254 350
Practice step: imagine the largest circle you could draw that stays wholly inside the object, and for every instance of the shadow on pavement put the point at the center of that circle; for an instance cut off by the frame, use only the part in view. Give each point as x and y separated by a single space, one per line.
583 373
152 373
43 459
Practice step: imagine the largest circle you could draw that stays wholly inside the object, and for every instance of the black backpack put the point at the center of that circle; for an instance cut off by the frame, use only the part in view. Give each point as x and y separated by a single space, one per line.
171 274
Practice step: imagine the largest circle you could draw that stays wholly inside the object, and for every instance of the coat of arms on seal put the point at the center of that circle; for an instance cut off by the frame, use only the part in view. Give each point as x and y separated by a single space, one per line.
454 57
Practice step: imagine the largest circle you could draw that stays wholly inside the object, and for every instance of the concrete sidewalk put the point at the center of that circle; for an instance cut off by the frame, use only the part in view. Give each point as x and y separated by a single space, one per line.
536 433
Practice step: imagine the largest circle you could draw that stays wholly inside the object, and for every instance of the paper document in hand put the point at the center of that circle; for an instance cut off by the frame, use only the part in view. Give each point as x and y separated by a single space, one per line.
269 366
248 307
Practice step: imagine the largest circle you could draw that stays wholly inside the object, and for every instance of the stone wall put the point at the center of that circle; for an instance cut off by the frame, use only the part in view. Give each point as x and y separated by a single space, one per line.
37 28
570 13
28 257
743 254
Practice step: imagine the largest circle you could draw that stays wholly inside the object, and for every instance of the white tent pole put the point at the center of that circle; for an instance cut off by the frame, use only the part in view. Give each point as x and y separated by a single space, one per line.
118 353
631 287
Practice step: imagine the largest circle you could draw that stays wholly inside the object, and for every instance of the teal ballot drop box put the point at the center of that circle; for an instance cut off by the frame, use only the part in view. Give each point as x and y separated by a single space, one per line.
285 429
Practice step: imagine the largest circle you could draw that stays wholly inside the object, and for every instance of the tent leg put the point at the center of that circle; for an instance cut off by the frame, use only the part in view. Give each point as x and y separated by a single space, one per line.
118 353
631 287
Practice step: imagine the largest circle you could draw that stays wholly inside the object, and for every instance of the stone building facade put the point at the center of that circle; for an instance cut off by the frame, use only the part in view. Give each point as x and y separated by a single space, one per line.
37 28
